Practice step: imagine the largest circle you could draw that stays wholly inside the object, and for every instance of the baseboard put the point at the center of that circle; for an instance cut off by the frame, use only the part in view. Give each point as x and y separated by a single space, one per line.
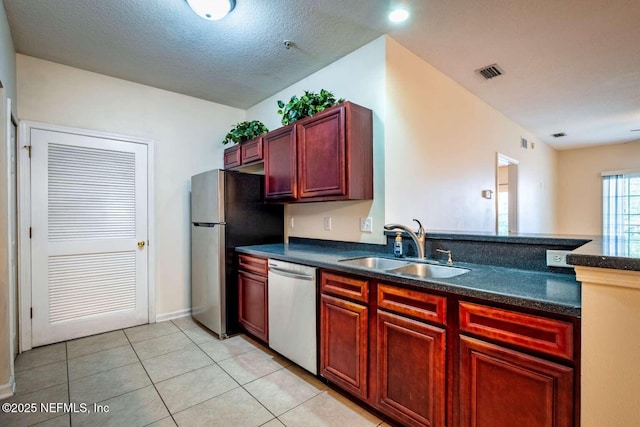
9 389
173 315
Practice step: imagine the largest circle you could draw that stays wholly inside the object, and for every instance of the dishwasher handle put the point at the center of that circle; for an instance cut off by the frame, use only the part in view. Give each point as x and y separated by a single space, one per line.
287 273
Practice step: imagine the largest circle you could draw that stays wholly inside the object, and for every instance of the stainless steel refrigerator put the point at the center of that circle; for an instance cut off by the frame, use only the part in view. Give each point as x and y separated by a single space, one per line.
227 211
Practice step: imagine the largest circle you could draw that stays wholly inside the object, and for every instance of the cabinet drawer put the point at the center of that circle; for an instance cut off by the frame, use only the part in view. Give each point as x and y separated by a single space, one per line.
256 265
251 151
347 287
553 337
232 157
412 303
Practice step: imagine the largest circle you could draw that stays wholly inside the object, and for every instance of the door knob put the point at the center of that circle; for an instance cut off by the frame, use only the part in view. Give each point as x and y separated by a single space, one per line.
141 244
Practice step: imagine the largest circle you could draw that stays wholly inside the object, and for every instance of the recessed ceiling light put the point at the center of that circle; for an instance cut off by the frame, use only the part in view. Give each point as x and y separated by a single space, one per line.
399 13
212 10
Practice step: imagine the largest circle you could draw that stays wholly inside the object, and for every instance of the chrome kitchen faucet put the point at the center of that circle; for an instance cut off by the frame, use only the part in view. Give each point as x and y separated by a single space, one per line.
418 239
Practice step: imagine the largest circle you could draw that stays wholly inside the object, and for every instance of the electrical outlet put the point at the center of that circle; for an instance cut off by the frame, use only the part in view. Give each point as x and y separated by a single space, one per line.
292 223
557 258
366 224
327 223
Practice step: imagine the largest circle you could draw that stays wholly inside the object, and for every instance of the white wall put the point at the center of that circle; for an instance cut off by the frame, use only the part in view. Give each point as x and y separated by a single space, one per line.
7 59
360 78
440 153
8 79
187 134
580 184
435 148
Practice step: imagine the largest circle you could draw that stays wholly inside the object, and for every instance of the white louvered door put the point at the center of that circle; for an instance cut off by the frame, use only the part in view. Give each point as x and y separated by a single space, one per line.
89 213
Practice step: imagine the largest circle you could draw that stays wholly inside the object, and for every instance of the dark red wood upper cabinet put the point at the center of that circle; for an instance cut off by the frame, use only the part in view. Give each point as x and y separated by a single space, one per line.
328 156
321 155
251 151
280 166
335 154
244 154
232 157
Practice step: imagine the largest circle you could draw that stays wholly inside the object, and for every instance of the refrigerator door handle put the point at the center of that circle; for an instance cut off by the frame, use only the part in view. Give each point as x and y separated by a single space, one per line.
208 224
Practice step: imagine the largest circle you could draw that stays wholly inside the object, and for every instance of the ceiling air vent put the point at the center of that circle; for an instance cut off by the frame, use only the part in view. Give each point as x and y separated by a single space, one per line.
490 71
558 135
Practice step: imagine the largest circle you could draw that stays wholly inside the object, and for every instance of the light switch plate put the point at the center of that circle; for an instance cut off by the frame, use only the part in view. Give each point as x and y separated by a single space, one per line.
327 223
366 224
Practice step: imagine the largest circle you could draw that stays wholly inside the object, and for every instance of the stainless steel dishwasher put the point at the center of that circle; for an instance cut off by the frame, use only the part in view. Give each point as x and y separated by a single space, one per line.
292 312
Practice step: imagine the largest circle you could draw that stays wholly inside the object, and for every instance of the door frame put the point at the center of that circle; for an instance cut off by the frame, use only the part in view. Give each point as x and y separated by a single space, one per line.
24 217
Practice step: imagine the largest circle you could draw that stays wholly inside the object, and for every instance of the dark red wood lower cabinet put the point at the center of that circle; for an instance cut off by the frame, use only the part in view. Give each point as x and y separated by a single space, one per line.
411 370
253 312
343 344
501 387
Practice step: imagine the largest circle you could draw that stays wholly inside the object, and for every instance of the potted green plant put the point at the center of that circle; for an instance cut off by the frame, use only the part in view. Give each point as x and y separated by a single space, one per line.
244 131
307 105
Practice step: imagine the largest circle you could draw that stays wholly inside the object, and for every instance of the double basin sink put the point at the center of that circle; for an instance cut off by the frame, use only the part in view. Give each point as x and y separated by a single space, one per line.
420 270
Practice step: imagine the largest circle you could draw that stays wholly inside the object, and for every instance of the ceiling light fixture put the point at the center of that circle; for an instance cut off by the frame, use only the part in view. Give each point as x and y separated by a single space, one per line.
399 12
212 10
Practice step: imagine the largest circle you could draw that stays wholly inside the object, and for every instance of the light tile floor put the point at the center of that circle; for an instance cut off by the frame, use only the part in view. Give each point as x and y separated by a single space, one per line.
174 373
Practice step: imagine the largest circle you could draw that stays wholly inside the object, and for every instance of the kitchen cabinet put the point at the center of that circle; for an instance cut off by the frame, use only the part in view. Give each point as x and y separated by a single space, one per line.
410 355
501 386
280 166
435 359
397 365
253 296
328 156
244 154
344 332
232 157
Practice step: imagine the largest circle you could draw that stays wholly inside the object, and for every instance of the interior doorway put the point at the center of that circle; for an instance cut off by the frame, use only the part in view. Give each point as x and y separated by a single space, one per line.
507 198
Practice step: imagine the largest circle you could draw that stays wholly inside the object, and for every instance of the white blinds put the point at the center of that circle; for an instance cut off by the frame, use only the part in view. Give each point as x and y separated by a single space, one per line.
91 193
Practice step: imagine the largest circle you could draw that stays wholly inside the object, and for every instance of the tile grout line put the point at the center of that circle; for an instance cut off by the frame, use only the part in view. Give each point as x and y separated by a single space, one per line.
233 378
66 362
152 383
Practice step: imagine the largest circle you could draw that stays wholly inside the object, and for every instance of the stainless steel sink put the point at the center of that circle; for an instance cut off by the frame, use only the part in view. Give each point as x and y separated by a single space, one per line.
429 271
374 263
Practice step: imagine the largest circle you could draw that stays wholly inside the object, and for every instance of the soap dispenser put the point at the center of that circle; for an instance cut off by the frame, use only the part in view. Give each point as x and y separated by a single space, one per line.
397 246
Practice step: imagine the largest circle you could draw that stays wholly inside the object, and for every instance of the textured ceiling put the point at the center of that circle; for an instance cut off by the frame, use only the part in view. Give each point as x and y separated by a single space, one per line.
570 66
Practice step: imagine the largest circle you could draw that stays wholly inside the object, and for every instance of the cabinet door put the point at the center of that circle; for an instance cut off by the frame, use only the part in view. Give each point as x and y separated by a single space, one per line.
280 168
252 151
232 157
253 314
501 387
321 155
411 370
343 344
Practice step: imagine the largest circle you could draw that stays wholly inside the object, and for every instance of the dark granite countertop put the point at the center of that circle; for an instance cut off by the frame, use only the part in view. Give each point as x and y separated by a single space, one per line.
615 253
549 292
